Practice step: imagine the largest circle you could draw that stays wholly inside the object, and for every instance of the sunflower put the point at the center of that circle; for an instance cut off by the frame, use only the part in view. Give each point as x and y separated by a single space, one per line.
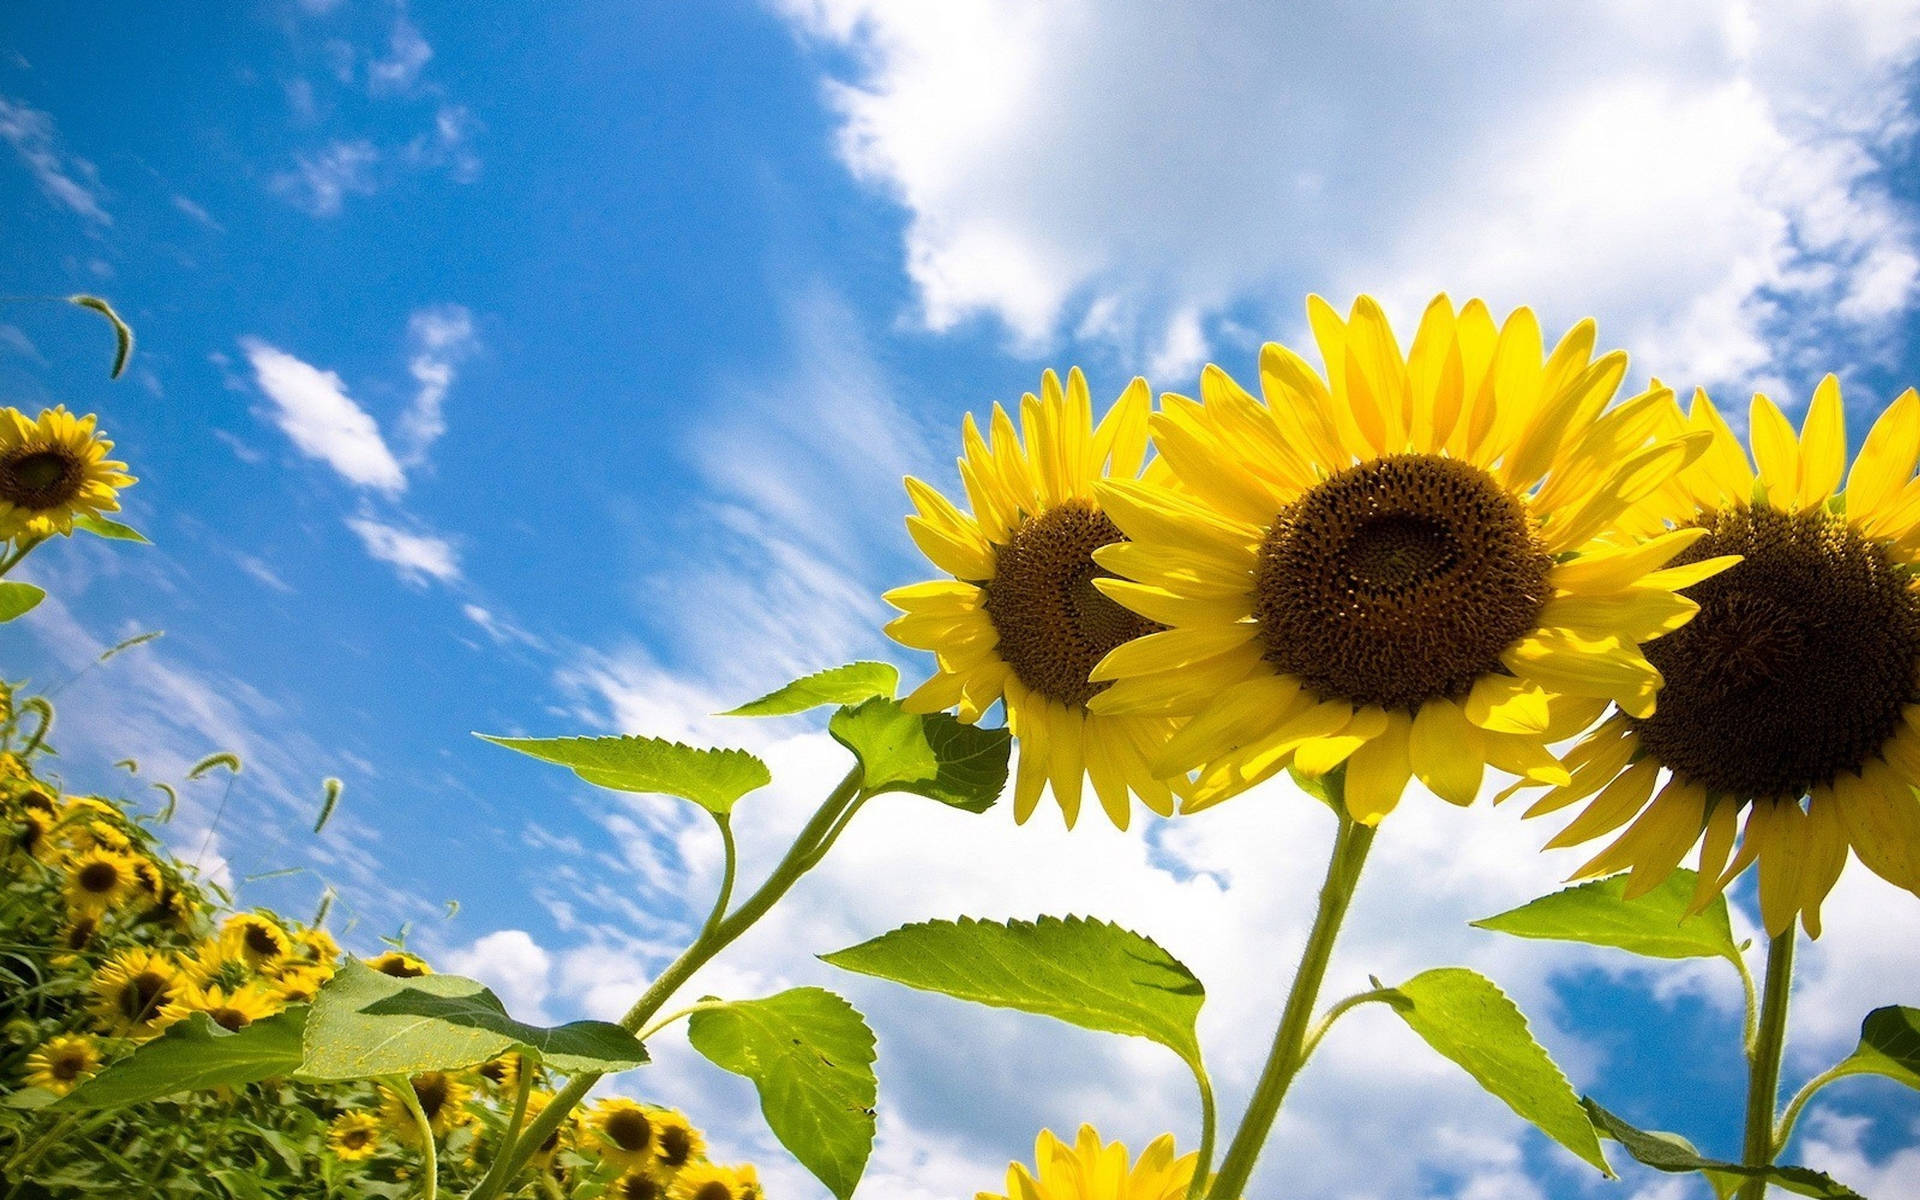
399 964
301 984
623 1133
353 1136
52 471
705 1181
1088 1170
256 940
1793 699
230 1009
544 1152
62 1063
132 992
34 837
442 1098
1396 571
637 1185
316 946
675 1141
501 1074
98 879
1021 621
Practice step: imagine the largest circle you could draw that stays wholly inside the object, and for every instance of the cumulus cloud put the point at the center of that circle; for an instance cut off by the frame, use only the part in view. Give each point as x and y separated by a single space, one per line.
312 407
1703 175
319 182
511 963
65 179
417 556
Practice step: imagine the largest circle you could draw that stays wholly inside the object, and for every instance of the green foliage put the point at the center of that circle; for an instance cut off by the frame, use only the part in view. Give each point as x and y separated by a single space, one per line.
810 1055
850 684
114 530
224 758
18 599
1473 1024
330 789
713 779
1085 972
122 334
1655 925
936 756
1889 1046
1676 1155
366 1025
196 1054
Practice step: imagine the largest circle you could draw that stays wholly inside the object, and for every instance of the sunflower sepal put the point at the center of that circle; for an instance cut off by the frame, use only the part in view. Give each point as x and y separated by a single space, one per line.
1328 788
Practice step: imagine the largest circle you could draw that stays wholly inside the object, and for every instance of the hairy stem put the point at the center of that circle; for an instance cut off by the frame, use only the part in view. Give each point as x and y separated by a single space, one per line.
1209 1121
403 1087
1763 1064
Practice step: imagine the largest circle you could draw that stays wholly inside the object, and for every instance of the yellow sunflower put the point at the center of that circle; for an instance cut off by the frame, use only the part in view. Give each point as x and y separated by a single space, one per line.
442 1098
353 1136
132 992
1396 571
623 1133
53 470
62 1063
256 940
299 985
230 1009
1020 621
675 1141
638 1185
98 879
316 946
706 1181
1088 1170
543 1153
399 964
502 1074
1794 697
34 837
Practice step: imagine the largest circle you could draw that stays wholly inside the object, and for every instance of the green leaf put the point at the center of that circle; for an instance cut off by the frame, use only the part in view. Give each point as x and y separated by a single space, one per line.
936 756
1674 1154
713 779
101 527
122 334
1655 925
1471 1022
850 684
810 1055
365 1025
1084 972
1889 1046
18 599
195 1054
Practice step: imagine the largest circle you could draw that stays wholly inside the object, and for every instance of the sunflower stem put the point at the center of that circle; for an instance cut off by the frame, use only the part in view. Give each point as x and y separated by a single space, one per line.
1209 1121
1763 1064
720 931
496 1174
12 558
403 1087
1285 1059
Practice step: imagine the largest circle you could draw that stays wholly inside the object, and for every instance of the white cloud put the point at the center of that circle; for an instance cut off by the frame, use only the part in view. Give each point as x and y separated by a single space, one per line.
1834 1144
1701 175
441 337
260 571
197 213
313 408
407 55
511 963
500 629
319 183
418 557
65 179
448 144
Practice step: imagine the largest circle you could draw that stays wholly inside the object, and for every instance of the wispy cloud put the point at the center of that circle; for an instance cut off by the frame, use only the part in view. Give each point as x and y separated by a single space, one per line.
65 178
198 214
441 337
418 557
407 55
312 407
319 182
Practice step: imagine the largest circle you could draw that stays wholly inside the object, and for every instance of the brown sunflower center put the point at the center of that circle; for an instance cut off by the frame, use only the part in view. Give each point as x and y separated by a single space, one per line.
264 942
433 1092
1054 625
356 1139
230 1018
629 1130
144 994
641 1187
1799 663
41 477
69 1066
397 966
714 1190
676 1145
98 878
1399 581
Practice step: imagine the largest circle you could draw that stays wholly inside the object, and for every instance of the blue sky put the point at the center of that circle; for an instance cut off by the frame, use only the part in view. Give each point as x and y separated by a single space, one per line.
554 371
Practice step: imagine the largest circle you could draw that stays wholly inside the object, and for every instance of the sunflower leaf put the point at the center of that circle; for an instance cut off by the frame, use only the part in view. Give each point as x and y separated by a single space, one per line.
1674 1154
101 527
936 755
1889 1046
196 1054
1655 925
365 1025
850 684
1472 1023
1085 972
713 779
810 1055
18 599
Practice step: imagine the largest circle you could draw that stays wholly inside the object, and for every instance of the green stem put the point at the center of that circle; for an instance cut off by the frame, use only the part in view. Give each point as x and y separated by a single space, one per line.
1320 1027
1791 1116
727 872
1763 1064
718 933
402 1086
27 1157
676 1014
1209 1122
496 1176
1285 1059
1750 1032
12 558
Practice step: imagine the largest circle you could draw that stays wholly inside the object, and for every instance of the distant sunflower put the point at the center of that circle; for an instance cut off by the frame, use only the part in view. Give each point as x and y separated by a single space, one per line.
675 1141
354 1135
1396 570
98 879
543 1153
706 1181
53 470
399 964
1794 697
623 1133
1088 1170
1021 621
62 1063
301 984
132 992
501 1074
316 945
442 1098
638 1185
257 940
231 1010
34 836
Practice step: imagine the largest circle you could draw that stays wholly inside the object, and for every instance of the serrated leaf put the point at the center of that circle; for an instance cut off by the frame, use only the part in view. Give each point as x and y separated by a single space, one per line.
850 684
195 1054
1085 972
1473 1024
713 779
1889 1046
365 1025
1655 925
1676 1155
18 599
936 755
101 527
810 1056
